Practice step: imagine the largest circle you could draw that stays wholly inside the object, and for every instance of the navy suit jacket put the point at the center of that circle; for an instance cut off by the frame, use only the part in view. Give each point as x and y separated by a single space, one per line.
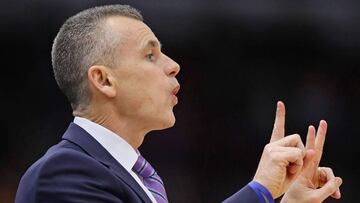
78 169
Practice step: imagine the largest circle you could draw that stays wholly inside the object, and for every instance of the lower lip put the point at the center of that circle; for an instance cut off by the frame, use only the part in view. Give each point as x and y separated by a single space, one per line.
174 99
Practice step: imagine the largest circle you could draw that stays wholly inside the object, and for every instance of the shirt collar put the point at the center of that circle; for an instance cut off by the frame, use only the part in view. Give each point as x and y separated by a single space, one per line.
122 151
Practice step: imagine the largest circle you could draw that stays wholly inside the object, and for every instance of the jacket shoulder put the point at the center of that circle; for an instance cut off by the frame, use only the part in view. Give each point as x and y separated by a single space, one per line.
63 173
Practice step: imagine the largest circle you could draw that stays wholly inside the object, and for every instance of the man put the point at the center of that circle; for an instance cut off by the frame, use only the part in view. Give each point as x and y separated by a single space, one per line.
121 86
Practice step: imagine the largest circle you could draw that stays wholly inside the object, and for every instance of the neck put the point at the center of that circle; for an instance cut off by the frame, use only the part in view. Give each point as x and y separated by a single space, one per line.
126 128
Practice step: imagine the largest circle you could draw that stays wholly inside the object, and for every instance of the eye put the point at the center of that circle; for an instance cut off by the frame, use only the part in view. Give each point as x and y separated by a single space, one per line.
150 57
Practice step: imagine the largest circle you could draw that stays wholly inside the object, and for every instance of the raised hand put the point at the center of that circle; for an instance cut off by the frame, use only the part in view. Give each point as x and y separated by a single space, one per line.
315 183
283 158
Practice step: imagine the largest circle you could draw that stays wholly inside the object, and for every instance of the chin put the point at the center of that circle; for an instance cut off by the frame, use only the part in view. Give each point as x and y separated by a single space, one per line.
167 122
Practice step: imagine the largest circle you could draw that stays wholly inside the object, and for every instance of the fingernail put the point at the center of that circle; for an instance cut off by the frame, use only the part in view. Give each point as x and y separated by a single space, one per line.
311 127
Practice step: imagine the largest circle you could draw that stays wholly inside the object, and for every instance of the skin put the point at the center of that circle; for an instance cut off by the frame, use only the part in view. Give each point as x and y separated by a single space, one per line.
283 158
287 166
315 184
137 96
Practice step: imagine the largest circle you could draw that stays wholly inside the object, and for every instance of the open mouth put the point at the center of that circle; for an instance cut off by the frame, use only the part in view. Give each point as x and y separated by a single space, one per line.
173 94
176 90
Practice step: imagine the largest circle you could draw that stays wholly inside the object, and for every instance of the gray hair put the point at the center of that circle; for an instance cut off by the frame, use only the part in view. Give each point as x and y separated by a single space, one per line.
83 41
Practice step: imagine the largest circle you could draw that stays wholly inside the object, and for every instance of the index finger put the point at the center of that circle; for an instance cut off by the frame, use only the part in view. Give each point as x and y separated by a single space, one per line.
279 124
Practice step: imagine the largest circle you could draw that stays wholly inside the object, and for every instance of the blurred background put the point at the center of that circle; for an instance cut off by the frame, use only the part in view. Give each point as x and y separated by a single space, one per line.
237 58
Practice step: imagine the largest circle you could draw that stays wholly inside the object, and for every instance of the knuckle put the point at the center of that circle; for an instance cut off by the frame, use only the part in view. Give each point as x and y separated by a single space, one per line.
298 152
270 152
327 169
297 136
268 148
334 186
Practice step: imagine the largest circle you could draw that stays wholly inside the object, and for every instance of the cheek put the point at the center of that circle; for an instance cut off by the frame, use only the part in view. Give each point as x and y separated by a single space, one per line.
154 86
146 89
156 98
145 94
156 93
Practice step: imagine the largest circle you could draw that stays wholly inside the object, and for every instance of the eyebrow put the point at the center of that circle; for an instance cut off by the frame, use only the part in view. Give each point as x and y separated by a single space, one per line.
152 44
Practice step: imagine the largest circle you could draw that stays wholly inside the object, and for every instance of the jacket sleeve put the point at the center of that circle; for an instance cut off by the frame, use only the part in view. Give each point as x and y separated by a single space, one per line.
245 195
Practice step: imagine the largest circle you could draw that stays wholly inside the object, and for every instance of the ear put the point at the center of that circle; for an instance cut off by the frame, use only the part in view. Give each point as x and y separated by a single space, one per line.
100 77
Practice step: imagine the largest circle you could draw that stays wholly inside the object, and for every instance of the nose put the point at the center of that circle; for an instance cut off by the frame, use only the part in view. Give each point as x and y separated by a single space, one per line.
172 68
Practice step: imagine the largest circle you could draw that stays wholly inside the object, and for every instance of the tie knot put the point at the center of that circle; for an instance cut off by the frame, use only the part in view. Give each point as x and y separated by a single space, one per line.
143 168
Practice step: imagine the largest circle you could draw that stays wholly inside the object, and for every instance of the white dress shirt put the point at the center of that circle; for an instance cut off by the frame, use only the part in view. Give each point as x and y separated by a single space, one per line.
116 146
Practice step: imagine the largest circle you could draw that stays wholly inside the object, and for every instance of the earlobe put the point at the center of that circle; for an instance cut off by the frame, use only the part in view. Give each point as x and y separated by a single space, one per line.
101 79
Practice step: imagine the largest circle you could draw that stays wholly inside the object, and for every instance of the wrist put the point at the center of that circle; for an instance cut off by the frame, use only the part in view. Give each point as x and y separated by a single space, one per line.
266 185
261 191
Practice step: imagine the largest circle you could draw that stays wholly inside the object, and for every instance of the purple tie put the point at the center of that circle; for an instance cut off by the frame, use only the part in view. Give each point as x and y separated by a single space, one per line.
150 179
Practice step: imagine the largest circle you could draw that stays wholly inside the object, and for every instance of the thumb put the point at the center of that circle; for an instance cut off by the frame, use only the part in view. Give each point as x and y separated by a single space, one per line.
307 160
329 188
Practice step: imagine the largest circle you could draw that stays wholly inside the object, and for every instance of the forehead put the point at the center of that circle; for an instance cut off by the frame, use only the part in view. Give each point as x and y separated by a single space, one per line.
132 32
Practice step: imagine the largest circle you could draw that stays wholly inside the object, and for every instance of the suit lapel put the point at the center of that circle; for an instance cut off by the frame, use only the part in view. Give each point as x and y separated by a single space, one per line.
80 137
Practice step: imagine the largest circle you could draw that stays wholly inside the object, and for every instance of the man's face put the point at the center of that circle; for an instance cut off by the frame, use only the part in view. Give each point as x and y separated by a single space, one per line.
145 77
